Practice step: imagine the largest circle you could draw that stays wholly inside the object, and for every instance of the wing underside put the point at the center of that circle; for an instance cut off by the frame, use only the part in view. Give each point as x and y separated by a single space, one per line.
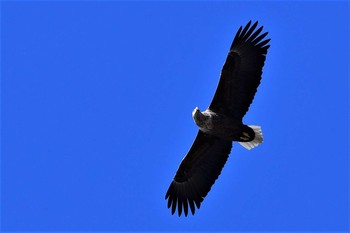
197 173
241 73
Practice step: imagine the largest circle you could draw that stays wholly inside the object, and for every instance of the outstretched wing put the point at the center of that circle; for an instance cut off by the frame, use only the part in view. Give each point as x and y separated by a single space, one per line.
197 173
241 73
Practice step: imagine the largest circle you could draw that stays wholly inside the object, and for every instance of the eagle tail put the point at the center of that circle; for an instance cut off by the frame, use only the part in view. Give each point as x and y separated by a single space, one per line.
257 140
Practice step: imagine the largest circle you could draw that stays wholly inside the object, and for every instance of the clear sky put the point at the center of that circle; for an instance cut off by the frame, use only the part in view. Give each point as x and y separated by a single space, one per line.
96 102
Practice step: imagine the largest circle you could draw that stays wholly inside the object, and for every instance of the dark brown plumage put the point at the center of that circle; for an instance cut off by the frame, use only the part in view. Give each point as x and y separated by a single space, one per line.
221 123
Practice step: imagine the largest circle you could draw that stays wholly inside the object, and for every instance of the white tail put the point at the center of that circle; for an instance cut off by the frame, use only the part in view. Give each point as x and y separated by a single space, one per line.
257 140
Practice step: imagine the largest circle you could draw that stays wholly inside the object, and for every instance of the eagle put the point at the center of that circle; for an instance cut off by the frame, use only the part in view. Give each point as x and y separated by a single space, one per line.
222 122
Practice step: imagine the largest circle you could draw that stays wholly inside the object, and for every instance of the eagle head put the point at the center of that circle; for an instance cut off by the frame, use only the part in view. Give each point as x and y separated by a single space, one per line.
198 117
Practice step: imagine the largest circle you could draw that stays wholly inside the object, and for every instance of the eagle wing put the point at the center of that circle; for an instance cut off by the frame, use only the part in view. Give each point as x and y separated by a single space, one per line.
241 73
197 172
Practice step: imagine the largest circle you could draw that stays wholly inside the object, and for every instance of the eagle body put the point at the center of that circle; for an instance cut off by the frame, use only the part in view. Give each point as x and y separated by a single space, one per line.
221 123
222 126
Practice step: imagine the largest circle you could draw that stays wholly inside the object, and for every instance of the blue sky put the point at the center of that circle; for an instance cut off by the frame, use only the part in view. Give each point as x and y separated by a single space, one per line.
96 102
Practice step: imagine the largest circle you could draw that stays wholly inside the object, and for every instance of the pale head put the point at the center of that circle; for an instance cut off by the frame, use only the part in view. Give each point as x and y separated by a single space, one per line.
198 117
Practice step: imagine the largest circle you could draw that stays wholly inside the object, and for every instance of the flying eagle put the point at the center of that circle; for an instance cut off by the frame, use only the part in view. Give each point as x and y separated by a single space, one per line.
221 123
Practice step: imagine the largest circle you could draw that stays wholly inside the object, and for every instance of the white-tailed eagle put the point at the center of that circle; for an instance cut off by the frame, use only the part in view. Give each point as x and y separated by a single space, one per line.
221 123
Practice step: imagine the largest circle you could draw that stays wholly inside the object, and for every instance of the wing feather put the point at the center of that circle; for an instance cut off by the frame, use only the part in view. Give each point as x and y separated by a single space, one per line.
197 173
237 35
241 73
249 32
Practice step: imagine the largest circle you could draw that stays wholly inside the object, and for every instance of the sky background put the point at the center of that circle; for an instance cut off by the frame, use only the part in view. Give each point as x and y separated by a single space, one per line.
96 102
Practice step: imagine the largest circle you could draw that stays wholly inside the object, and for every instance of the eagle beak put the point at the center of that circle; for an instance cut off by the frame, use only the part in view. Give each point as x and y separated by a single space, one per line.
194 111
